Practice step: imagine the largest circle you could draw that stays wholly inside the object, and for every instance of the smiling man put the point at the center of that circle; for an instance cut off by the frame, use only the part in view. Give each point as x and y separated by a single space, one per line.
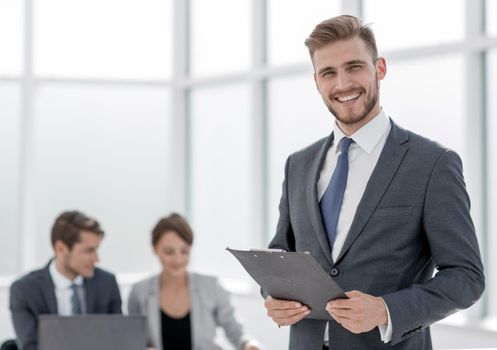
349 82
378 207
69 285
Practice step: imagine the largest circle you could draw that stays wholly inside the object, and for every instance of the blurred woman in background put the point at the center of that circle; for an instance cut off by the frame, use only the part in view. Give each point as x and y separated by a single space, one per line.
183 308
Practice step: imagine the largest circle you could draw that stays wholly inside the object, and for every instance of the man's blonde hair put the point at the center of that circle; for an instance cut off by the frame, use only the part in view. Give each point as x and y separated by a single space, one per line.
341 28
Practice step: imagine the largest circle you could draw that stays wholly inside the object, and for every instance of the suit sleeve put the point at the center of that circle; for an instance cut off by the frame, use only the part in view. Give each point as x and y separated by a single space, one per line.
115 304
135 307
451 237
284 238
225 317
24 320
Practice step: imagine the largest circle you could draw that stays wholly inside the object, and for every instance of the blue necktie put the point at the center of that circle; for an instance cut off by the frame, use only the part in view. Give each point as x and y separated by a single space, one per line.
75 302
331 203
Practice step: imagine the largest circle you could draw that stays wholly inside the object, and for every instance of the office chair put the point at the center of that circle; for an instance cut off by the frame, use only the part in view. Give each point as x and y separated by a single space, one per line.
9 345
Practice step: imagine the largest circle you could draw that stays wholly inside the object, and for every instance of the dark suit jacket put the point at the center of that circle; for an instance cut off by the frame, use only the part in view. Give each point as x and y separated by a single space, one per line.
34 294
413 217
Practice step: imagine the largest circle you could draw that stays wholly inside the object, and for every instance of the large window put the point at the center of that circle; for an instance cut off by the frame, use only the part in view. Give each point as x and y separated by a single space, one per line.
10 130
103 39
491 180
221 176
289 23
294 123
103 150
491 17
11 37
432 106
221 36
410 24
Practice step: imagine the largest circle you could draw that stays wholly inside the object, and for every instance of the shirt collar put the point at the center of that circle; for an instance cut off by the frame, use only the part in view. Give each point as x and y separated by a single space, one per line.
60 281
366 137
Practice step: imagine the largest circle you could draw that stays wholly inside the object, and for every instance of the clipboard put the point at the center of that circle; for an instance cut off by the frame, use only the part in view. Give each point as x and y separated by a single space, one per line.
291 276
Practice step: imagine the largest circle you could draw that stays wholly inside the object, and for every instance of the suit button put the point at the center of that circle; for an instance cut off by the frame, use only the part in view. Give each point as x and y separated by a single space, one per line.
334 272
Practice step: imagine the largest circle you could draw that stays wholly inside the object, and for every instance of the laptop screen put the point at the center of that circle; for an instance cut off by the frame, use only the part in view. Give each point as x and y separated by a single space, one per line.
96 332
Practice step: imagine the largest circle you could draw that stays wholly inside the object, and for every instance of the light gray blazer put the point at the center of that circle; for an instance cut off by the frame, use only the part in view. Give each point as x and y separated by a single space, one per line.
210 308
413 217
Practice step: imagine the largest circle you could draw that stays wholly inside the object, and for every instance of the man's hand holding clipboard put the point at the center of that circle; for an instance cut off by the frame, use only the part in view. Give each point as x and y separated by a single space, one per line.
294 284
295 287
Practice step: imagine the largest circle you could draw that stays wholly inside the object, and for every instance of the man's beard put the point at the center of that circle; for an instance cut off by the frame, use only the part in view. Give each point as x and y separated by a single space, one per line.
371 101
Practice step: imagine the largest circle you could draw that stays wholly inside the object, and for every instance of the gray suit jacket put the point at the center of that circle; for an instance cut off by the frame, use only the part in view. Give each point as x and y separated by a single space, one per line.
413 217
210 307
34 294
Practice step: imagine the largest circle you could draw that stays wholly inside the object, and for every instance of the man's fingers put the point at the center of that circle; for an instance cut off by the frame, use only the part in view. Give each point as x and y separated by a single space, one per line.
287 321
280 304
345 303
287 313
354 297
351 326
360 313
339 320
341 313
340 304
353 293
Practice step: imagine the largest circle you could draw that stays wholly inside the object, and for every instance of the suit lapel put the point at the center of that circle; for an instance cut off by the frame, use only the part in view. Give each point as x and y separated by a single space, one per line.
195 310
154 311
313 201
48 291
383 173
89 295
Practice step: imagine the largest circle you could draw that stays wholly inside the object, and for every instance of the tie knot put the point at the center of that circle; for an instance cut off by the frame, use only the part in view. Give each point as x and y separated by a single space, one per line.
345 144
74 286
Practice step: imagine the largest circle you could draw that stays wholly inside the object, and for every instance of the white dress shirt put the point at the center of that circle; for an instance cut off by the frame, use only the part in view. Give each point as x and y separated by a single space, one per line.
63 291
363 156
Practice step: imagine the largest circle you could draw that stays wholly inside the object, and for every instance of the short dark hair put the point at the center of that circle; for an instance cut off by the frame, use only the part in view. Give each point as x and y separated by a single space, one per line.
341 28
173 222
68 226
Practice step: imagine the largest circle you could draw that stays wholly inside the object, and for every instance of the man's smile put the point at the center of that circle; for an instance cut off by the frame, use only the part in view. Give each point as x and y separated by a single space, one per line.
348 97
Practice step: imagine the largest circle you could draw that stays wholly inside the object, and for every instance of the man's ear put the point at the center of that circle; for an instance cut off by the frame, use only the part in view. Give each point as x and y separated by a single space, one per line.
60 248
381 68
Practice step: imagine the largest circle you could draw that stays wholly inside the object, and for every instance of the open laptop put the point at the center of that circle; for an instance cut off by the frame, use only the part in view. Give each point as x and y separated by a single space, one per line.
96 332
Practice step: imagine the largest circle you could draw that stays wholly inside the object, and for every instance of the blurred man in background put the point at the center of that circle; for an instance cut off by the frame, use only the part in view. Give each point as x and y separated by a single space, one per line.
69 284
